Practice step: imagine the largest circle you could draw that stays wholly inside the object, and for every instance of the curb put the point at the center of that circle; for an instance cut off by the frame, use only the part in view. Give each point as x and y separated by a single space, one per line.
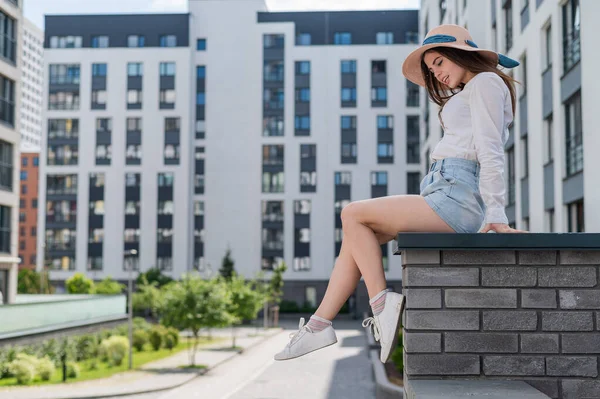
384 389
165 388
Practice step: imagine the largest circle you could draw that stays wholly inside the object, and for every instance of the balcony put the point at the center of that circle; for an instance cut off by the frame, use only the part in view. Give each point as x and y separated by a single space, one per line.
571 50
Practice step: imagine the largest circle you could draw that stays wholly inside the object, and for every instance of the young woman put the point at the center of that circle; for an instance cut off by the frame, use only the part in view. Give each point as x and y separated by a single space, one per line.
463 190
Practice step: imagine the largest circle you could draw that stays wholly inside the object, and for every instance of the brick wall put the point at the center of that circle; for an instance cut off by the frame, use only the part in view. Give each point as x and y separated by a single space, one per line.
504 314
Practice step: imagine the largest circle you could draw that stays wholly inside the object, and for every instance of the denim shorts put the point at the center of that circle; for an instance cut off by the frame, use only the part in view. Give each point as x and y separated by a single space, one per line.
451 188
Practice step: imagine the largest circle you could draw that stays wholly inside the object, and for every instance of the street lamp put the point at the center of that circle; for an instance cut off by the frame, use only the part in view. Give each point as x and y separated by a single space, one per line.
129 255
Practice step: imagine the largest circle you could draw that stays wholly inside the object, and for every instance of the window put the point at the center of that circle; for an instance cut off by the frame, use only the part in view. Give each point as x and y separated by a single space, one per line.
524 157
412 94
165 180
165 207
98 69
23 175
348 151
348 122
63 100
22 245
302 122
273 182
273 98
168 41
7 101
385 150
379 94
201 72
412 37
348 66
99 41
571 16
22 205
134 124
8 40
508 25
62 128
385 38
303 39
167 69
24 161
34 203
378 178
378 67
172 124
548 47
342 38
273 126
6 166
348 94
22 217
135 41
5 229
272 41
575 217
36 161
302 67
524 75
135 69
303 95
385 122
574 134
510 166
201 44
134 96
413 182
443 9
65 42
99 97
413 154
273 71
167 96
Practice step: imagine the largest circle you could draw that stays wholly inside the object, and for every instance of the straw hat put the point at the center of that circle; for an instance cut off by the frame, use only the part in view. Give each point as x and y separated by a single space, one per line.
448 36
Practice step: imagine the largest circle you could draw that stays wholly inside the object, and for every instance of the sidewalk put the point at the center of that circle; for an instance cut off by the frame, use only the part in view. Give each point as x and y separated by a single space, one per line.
160 375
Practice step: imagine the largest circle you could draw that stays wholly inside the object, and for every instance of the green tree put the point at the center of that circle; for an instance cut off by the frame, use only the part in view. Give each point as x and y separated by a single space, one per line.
154 275
276 283
79 284
194 303
108 286
28 282
148 298
246 301
227 269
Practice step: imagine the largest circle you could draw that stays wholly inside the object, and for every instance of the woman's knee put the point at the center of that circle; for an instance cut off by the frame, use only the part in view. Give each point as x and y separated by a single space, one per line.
350 213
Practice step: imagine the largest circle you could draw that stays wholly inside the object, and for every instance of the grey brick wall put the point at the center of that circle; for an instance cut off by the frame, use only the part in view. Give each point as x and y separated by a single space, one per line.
519 315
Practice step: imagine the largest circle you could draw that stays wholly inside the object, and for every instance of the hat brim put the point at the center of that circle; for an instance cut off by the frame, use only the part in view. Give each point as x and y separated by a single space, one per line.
411 68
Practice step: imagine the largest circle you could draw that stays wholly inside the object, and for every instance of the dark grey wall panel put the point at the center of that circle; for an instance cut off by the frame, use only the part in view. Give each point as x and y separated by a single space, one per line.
302 81
570 83
342 191
348 80
573 188
308 164
385 135
524 18
363 25
549 186
301 221
348 136
167 82
302 108
510 213
99 83
547 93
134 137
379 80
119 27
134 83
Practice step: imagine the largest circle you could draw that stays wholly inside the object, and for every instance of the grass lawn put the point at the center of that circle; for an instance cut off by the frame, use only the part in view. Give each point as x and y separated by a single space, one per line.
104 370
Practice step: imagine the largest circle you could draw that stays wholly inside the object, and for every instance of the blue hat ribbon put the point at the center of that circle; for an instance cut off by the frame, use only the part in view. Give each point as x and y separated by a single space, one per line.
502 59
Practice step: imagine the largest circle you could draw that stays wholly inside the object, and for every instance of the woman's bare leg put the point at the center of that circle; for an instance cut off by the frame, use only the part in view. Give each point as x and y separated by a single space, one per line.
367 224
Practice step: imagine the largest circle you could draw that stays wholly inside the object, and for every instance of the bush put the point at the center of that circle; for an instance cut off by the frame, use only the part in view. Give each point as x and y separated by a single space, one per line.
173 332
157 336
287 306
45 368
79 284
108 286
28 282
86 347
154 275
93 364
397 356
72 370
22 370
114 350
140 337
169 342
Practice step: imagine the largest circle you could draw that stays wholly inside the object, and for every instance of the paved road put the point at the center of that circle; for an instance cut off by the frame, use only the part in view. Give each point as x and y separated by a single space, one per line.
340 371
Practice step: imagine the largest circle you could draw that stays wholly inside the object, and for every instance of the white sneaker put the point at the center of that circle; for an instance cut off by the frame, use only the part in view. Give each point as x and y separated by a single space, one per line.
385 326
305 341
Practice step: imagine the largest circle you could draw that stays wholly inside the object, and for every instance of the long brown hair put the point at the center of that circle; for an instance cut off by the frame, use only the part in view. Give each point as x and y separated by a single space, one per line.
473 62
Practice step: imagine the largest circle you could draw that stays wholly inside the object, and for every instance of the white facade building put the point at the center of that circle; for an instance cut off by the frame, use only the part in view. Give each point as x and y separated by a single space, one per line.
32 85
11 17
551 184
286 117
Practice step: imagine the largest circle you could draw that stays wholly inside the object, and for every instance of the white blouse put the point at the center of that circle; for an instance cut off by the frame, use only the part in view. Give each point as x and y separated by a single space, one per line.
476 124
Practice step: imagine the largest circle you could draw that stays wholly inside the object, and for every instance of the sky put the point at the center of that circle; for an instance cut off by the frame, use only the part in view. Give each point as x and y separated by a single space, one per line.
36 9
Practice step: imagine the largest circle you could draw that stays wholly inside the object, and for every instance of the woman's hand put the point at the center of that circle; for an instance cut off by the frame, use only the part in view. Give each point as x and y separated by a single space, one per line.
500 228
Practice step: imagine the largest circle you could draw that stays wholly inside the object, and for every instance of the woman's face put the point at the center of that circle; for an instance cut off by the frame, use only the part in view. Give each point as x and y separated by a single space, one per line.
446 71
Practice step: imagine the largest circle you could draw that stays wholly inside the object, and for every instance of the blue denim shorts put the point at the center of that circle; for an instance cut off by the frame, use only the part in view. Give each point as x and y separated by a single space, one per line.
451 188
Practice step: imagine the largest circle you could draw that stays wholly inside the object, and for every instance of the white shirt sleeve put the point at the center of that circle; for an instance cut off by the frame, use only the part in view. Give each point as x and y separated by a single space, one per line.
487 97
